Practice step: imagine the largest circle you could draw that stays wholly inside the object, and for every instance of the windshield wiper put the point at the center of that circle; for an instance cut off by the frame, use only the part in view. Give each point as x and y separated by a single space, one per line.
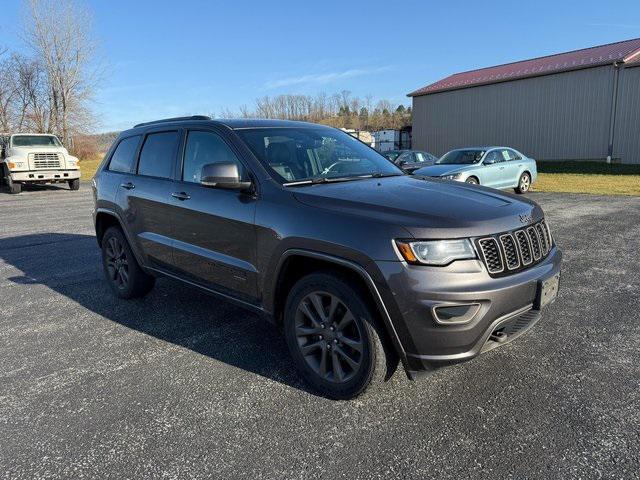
318 180
383 175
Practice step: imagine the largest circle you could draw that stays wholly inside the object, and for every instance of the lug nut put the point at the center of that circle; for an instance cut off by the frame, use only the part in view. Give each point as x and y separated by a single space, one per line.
322 325
328 346
335 340
332 328
320 337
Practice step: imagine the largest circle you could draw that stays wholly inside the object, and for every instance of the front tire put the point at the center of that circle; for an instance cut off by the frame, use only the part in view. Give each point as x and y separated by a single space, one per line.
472 181
14 188
334 337
524 183
123 274
74 184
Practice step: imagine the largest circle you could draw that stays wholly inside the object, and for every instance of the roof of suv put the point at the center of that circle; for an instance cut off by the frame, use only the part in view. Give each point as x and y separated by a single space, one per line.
231 123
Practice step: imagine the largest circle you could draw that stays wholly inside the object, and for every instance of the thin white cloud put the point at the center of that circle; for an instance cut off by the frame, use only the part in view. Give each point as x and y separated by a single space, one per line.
323 78
614 25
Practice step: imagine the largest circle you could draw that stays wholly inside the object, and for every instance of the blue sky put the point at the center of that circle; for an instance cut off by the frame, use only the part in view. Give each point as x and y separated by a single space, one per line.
167 58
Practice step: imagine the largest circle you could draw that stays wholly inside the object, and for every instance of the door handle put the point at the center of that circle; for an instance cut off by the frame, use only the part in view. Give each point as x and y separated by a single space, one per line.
181 195
128 186
501 168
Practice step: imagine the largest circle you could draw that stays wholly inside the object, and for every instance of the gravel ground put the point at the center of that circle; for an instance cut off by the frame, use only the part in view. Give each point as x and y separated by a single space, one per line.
181 385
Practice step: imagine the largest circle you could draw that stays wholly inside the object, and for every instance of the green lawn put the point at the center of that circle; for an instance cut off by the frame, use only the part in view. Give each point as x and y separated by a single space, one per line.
88 166
588 177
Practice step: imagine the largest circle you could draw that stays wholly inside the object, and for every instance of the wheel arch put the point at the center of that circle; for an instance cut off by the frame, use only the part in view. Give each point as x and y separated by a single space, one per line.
296 263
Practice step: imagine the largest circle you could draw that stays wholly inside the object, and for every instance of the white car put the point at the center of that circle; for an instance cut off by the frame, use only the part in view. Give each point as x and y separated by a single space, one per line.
39 159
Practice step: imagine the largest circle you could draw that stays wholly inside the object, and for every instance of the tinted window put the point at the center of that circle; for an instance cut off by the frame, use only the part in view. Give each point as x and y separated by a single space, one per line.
204 148
158 154
420 157
123 159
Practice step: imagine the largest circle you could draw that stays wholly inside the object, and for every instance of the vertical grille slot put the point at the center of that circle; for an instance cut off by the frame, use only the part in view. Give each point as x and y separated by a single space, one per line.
525 247
510 251
544 246
535 243
491 254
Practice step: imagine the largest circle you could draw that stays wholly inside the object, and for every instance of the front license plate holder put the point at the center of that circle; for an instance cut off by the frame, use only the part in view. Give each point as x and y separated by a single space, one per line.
547 291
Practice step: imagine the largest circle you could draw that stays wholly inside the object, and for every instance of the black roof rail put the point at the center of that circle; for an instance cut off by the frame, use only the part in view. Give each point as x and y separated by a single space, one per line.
174 119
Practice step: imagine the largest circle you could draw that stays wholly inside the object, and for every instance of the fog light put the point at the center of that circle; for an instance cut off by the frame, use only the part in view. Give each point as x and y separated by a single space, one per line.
455 314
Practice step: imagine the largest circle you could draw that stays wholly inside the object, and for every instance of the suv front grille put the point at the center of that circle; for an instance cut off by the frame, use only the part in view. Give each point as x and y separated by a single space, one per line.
514 251
46 160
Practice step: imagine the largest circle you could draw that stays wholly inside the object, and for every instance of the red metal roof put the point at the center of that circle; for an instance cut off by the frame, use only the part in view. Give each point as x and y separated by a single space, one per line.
626 51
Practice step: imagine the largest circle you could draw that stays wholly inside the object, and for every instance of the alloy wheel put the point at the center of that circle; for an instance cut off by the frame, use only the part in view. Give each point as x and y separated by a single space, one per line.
329 337
525 183
117 263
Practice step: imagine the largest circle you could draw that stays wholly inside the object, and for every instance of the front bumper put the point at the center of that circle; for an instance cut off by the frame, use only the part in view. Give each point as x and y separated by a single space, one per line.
507 304
44 176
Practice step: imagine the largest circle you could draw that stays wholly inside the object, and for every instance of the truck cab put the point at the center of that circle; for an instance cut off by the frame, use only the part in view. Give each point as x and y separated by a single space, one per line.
35 158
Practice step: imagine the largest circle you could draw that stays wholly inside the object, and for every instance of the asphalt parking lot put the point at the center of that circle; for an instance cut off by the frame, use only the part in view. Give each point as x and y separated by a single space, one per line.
181 385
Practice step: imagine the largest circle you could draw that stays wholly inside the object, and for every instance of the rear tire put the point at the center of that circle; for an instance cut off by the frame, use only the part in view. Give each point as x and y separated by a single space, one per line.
123 274
334 337
524 183
74 184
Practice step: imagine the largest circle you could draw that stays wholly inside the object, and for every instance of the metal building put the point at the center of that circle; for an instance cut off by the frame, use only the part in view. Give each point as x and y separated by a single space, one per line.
580 105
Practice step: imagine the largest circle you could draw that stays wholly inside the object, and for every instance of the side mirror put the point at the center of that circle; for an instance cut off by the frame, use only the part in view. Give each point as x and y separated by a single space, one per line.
222 175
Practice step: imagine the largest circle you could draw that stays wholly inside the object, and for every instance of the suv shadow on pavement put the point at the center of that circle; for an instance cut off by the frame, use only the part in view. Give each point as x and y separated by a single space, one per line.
172 312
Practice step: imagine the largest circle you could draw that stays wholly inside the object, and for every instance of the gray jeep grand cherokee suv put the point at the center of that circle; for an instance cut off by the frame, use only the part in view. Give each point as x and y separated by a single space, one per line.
361 265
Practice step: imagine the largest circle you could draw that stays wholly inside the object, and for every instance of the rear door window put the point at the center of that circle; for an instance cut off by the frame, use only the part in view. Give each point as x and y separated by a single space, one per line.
124 157
158 154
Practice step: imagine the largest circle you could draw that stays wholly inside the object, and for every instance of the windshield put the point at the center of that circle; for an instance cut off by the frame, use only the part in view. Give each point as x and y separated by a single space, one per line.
314 153
35 141
461 157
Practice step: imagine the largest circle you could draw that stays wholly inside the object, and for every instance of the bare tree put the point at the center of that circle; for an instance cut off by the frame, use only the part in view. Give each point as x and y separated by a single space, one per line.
58 31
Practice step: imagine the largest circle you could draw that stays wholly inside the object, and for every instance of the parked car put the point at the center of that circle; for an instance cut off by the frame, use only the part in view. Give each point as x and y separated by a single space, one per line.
497 167
410 160
360 265
33 158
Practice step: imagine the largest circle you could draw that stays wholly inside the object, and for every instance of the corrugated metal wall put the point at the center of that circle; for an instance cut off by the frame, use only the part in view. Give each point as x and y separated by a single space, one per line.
562 116
626 139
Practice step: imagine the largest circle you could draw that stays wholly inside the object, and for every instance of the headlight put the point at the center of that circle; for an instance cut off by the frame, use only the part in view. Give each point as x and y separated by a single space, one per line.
72 162
13 165
436 252
455 176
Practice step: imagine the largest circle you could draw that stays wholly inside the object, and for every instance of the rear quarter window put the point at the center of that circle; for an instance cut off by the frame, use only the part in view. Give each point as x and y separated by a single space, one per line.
123 158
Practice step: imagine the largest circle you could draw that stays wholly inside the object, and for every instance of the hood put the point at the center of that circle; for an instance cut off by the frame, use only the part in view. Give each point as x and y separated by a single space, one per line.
439 170
427 208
